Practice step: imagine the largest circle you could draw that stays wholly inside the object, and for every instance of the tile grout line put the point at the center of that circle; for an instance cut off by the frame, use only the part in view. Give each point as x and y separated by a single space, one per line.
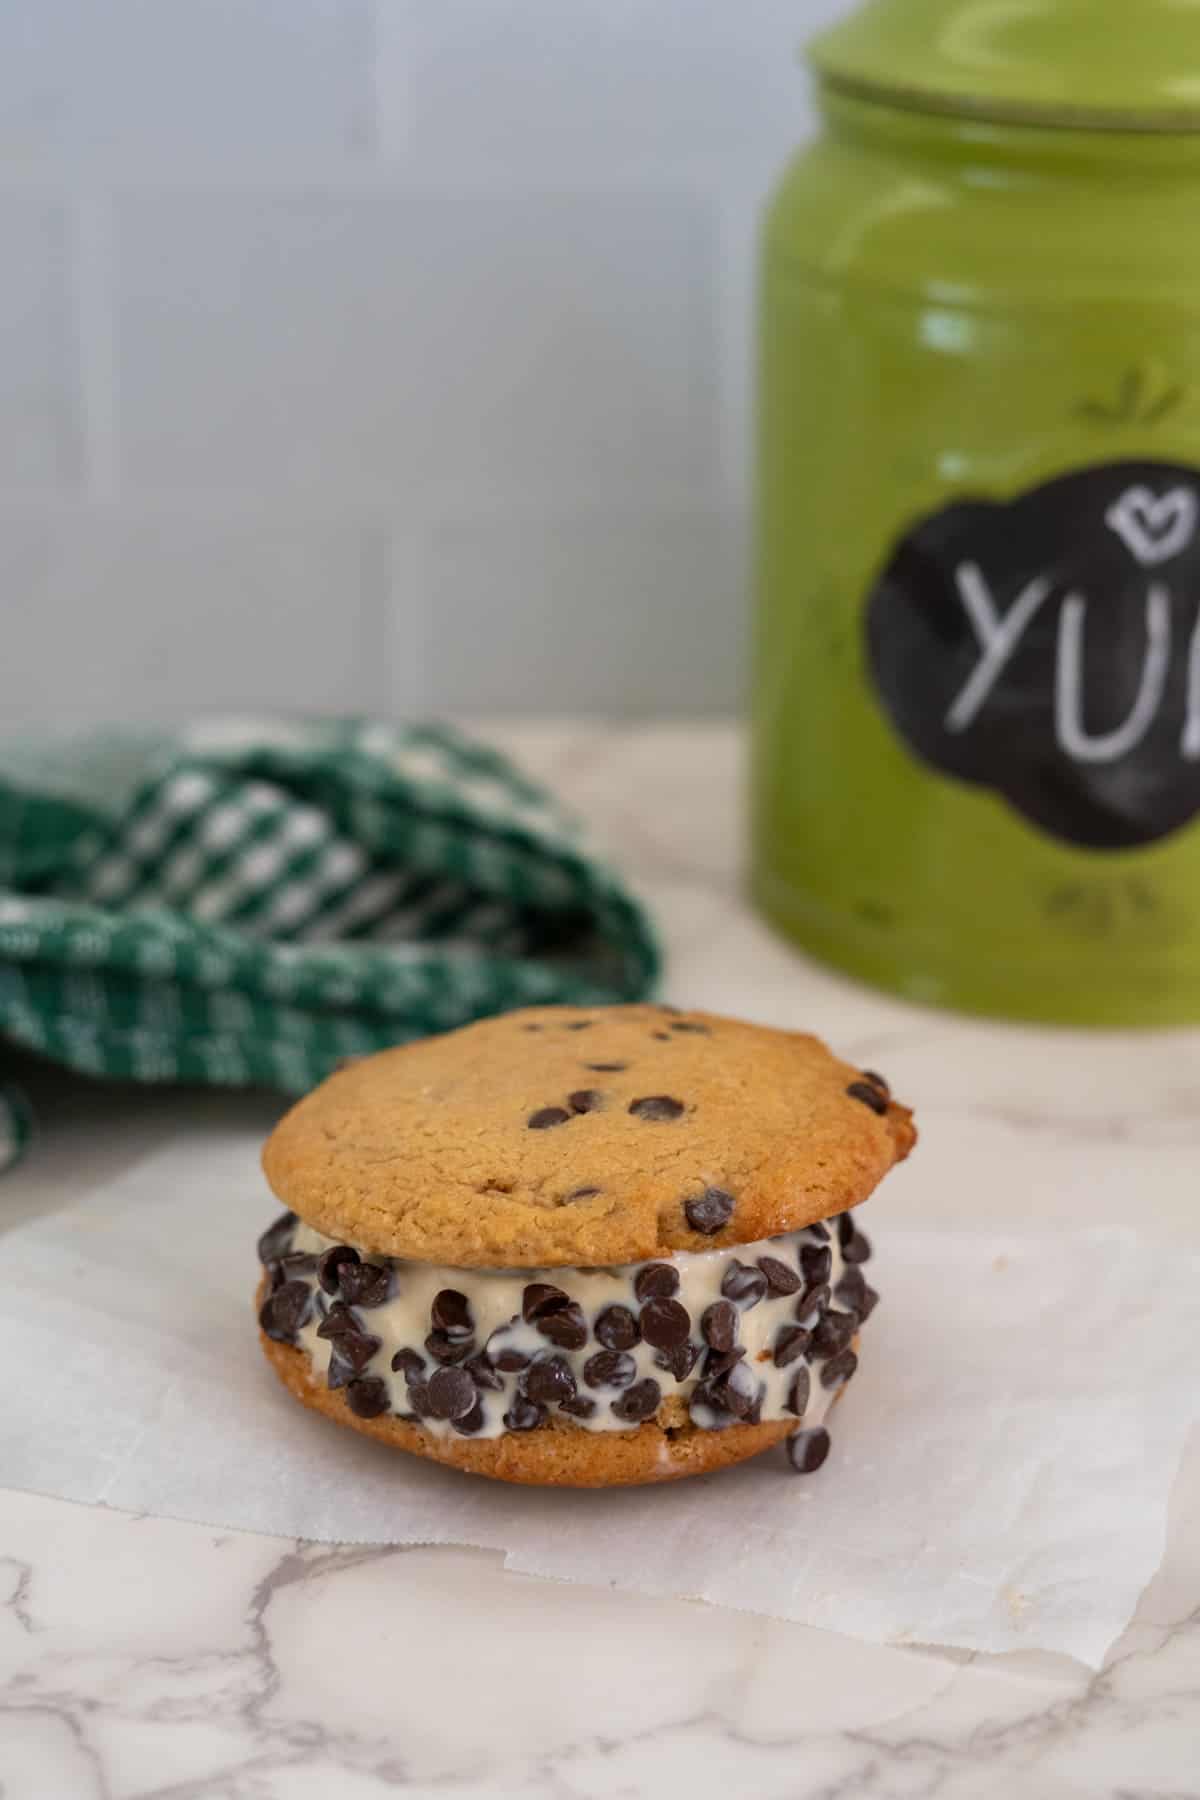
95 327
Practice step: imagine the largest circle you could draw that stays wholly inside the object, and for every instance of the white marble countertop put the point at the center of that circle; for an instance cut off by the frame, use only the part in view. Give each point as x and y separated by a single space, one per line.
145 1658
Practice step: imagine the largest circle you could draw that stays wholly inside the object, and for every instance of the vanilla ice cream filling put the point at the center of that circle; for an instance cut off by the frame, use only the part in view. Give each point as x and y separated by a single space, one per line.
746 1333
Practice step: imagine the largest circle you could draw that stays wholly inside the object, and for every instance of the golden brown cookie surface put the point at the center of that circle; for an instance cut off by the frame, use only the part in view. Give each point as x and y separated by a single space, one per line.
569 1136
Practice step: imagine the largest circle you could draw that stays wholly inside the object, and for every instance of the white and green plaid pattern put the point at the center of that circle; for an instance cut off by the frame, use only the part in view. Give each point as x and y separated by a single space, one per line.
252 903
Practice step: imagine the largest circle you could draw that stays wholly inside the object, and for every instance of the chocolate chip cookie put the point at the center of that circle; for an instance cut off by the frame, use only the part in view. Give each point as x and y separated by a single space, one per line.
580 1247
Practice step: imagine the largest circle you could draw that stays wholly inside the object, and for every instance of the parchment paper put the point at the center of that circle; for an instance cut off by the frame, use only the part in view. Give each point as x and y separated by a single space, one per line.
1000 1476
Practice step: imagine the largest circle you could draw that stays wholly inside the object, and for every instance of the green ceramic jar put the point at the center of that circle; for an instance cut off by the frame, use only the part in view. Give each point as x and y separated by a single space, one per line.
977 696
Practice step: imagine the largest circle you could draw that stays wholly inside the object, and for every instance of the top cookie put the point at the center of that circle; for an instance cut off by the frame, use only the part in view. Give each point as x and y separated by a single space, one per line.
585 1136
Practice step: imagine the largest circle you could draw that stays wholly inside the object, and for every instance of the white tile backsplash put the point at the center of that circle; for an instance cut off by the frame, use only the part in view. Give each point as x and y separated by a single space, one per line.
588 81
560 344
39 382
261 342
607 613
128 619
390 342
381 353
208 80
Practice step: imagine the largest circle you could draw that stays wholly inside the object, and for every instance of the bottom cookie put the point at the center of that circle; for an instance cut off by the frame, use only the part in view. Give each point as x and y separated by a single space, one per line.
558 1454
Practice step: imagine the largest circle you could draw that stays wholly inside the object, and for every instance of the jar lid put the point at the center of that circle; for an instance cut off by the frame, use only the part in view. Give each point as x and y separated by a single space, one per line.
1129 65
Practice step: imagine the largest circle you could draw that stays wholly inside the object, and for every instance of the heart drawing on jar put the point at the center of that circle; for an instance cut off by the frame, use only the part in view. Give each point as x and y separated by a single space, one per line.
1154 529
1048 647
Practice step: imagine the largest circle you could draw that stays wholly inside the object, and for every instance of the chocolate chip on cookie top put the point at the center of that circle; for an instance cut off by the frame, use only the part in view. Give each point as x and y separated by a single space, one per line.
585 1136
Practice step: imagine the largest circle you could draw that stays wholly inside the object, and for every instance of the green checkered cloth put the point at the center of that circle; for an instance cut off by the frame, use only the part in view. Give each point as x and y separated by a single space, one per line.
251 903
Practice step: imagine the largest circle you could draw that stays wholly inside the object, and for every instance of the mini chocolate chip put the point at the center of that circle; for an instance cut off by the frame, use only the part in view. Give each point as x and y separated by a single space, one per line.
357 1348
665 1323
368 1396
568 1328
418 1399
680 1361
292 1266
639 1401
540 1297
743 1283
549 1378
834 1331
579 1025
739 1390
704 1396
286 1310
277 1238
503 1355
719 1325
812 1300
663 1037
523 1415
799 1392
328 1263
838 1370
791 1341
451 1313
709 1211
606 1068
856 1247
656 1106
578 1406
876 1081
691 1025
409 1363
447 1350
451 1394
364 1284
583 1193
657 1280
338 1321
870 1096
816 1263
856 1293
547 1116
818 1231
340 1373
807 1450
585 1100
617 1328
850 1287
719 1362
470 1423
482 1373
781 1277
609 1368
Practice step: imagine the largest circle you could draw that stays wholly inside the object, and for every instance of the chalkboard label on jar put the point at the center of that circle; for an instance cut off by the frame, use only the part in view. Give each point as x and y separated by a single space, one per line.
1048 648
